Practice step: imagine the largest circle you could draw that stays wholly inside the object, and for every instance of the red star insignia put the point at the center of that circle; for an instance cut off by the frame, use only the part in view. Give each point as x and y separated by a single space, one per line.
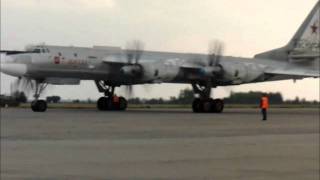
314 28
56 60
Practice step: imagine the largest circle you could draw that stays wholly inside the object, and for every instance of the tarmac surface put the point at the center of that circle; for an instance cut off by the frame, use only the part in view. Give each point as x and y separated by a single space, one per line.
160 144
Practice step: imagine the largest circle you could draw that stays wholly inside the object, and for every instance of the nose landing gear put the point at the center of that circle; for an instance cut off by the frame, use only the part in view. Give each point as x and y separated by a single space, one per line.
39 105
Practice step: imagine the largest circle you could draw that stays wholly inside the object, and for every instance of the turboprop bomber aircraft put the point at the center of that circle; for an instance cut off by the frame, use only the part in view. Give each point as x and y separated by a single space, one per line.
111 67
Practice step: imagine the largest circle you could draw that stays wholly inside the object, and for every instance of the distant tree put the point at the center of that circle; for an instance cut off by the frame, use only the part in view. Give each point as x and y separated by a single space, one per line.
76 101
186 96
252 98
172 100
134 101
20 97
53 99
296 100
153 101
275 98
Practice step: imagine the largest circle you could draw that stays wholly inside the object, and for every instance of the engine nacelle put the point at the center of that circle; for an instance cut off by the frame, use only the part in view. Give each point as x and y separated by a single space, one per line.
131 70
160 71
239 73
211 71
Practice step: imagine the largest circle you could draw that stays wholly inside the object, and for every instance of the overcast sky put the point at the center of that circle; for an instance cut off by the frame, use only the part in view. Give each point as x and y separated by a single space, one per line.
247 27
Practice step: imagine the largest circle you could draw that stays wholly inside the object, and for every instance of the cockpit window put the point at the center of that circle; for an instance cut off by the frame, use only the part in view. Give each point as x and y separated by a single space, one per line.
36 51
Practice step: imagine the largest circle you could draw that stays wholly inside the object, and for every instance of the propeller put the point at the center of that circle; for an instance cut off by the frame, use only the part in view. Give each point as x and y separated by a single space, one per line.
134 51
22 84
215 52
213 67
129 91
134 70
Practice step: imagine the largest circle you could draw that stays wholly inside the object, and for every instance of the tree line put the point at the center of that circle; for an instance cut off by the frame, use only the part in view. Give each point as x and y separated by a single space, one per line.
186 96
16 98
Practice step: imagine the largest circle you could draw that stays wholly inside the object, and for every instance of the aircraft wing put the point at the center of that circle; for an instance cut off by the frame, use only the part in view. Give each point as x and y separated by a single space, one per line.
12 52
294 72
113 61
189 66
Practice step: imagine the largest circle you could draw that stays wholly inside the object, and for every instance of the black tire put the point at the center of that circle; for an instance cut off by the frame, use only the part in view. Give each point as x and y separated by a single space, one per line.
103 104
42 105
39 106
34 106
197 105
217 106
122 104
207 105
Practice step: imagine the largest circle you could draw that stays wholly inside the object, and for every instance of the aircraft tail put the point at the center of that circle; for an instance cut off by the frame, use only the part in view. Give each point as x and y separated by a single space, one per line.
305 44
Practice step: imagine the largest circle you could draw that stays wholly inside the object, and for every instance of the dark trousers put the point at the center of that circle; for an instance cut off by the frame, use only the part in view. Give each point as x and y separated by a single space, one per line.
264 114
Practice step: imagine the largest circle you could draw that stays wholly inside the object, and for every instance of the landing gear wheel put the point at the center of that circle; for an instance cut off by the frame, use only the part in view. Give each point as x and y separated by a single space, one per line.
197 106
103 104
217 106
207 105
122 104
39 106
108 104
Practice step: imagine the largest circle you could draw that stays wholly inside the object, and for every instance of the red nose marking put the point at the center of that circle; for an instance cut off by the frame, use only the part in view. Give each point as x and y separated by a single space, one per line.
56 60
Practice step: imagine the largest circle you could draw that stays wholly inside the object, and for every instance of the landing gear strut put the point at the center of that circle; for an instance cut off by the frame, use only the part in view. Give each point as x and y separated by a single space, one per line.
110 102
205 104
39 105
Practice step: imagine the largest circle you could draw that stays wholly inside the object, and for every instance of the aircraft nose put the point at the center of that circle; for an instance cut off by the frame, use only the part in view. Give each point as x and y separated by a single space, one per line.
14 69
6 59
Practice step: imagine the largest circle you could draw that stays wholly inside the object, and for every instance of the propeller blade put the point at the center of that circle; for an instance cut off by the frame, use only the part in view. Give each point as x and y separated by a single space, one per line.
14 86
215 52
211 53
134 51
129 91
22 84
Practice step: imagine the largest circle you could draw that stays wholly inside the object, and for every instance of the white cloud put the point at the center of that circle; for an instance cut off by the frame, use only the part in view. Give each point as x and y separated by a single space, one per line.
60 3
96 3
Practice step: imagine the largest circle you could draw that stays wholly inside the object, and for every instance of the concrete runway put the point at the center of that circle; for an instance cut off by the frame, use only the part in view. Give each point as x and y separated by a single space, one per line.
160 144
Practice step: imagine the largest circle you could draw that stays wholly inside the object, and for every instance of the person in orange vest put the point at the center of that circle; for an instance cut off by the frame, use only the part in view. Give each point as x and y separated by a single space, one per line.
264 105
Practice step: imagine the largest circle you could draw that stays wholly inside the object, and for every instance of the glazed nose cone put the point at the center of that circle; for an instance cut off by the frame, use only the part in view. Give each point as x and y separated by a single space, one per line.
8 66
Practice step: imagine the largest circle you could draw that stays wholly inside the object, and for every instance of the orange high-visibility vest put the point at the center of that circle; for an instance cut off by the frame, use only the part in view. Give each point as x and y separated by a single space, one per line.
264 103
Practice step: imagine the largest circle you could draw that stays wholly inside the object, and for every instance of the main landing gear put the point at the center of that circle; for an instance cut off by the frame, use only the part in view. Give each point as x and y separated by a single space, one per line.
39 105
205 104
110 102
